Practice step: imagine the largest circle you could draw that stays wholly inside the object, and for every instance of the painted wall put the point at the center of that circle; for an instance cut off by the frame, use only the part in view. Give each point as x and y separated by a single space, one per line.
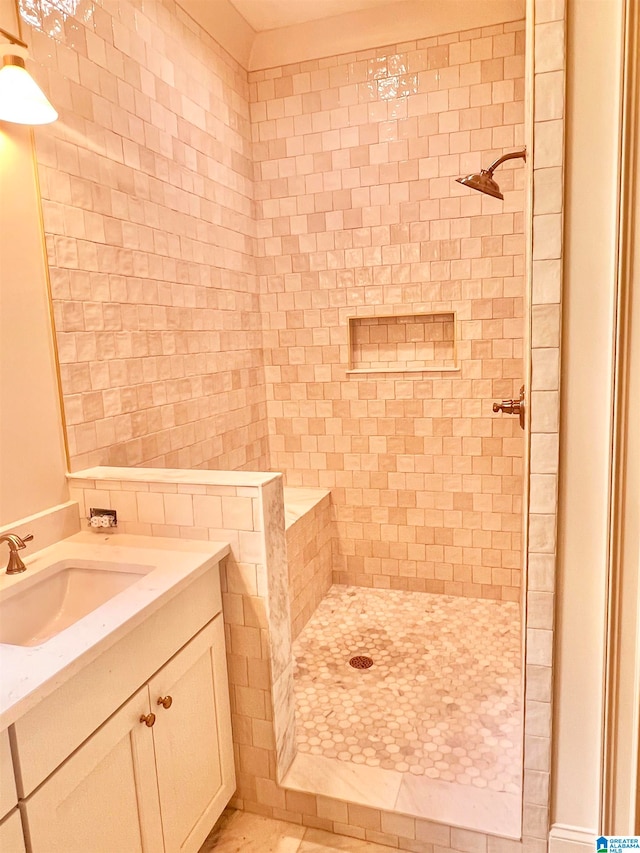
148 210
359 215
222 21
32 460
376 27
593 125
360 30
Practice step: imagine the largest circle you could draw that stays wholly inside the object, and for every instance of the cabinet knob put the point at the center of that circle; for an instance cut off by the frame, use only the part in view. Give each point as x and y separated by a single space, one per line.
148 719
165 701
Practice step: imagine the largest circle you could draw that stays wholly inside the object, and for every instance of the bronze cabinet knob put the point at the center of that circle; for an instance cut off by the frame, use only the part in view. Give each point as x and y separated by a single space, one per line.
148 719
165 701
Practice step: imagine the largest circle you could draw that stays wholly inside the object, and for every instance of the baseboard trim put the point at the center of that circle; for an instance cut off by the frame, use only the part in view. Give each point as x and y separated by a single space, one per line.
571 839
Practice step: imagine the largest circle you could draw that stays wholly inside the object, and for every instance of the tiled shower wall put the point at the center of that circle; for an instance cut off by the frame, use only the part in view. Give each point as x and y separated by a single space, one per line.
309 560
358 214
147 192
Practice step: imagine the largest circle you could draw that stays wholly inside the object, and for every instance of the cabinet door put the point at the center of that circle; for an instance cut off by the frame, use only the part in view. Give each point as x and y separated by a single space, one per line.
11 837
104 798
8 793
193 744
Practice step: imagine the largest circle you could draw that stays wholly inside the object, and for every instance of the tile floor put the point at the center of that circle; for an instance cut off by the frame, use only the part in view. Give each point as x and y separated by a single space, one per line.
242 832
442 699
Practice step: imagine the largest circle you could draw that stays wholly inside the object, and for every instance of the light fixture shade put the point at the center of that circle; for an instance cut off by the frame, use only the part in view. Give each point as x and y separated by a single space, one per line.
22 101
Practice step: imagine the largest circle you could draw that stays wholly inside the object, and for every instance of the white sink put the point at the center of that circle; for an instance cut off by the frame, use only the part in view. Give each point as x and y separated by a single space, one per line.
43 606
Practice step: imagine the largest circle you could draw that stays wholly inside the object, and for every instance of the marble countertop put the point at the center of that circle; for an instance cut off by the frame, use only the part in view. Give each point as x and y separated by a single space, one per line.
181 476
30 673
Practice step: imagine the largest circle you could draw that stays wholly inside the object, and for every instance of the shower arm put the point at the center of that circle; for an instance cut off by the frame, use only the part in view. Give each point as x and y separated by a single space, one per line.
512 155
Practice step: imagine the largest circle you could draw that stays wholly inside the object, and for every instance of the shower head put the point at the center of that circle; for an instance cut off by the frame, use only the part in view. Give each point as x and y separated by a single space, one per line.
483 180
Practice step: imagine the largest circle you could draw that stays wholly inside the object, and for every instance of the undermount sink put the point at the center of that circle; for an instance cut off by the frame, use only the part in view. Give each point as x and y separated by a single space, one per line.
64 593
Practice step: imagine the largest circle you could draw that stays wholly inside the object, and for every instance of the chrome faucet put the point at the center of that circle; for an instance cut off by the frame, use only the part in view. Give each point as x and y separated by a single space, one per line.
16 543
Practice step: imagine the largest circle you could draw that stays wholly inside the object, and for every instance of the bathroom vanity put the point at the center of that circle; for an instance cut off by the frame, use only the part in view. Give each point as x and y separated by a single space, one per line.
115 732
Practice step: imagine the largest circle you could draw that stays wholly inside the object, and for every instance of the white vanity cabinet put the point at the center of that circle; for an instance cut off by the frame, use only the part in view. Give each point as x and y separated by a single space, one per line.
104 797
156 776
192 740
134 752
11 837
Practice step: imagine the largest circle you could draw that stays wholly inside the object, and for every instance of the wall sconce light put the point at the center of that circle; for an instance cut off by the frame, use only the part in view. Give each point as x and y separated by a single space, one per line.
22 101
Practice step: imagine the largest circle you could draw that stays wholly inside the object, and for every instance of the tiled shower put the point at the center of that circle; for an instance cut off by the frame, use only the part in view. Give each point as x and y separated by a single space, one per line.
276 271
359 216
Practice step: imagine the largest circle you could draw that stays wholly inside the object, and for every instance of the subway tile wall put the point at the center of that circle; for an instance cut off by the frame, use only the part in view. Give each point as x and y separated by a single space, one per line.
147 193
155 243
359 215
309 558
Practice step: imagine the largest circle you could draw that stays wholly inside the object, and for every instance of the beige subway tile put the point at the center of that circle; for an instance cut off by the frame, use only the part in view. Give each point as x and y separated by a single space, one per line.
251 547
539 647
207 511
150 507
549 10
269 793
397 824
545 368
362 816
262 734
538 683
549 96
437 834
538 719
542 533
549 144
547 236
540 610
549 46
237 513
250 702
536 787
178 509
544 453
349 830
467 841
548 189
537 753
384 839
535 821
332 809
544 411
495 844
543 493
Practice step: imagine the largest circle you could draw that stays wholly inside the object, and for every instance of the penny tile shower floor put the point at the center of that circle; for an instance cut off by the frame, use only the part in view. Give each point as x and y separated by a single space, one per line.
442 699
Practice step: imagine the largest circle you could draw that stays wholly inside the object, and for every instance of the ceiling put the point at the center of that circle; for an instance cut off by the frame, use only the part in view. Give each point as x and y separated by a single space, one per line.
271 14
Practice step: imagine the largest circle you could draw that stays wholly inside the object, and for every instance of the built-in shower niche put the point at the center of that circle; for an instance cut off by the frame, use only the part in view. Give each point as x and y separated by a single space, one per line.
403 343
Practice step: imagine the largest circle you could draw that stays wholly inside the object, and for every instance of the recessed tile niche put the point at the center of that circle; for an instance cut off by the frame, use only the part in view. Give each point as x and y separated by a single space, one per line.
402 343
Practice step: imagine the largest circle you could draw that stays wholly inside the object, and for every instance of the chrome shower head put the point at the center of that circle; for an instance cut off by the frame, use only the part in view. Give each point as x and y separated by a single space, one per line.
483 180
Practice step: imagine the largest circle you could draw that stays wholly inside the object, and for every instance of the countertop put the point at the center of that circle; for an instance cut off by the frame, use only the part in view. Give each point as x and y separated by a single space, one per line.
179 476
30 673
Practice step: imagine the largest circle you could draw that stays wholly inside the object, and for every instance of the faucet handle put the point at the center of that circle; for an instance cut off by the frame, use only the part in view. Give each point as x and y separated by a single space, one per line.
16 543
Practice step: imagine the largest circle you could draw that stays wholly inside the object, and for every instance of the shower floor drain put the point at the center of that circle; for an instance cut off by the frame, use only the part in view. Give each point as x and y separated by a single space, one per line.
361 662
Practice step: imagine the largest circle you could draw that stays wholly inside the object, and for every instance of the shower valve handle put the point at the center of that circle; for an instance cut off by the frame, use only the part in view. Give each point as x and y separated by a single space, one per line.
512 407
508 407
